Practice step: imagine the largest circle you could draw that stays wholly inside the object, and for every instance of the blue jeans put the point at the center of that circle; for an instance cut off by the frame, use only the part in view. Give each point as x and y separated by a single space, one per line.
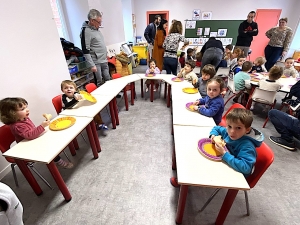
286 125
272 54
212 56
170 65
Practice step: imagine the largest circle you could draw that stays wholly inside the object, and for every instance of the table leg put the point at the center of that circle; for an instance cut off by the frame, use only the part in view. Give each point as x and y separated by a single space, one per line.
96 139
116 111
165 91
29 177
125 98
142 88
72 148
173 159
75 143
181 203
169 96
112 114
59 181
92 140
229 199
132 89
151 90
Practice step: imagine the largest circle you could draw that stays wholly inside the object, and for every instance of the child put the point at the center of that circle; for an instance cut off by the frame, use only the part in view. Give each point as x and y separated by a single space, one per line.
228 49
289 70
213 104
71 97
240 78
270 84
152 70
259 65
182 59
190 54
14 112
207 72
187 72
238 67
231 58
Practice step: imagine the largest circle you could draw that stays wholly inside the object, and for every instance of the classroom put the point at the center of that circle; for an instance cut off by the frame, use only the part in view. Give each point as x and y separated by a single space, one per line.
124 174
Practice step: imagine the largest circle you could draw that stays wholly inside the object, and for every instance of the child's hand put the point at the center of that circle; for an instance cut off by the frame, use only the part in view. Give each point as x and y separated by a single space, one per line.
45 123
223 93
194 81
78 97
212 139
195 107
220 148
254 71
196 102
152 70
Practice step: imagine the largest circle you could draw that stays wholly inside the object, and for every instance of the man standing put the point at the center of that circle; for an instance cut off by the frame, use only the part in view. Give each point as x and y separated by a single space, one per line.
247 30
150 33
93 46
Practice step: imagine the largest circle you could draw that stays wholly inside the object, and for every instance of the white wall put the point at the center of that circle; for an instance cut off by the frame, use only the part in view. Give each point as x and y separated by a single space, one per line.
32 60
127 18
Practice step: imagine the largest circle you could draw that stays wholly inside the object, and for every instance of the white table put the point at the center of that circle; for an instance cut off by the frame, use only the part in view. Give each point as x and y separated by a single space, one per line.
193 169
45 148
110 88
184 117
178 94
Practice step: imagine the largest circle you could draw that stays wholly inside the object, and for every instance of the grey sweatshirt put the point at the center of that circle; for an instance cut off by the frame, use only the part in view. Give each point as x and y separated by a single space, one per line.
93 45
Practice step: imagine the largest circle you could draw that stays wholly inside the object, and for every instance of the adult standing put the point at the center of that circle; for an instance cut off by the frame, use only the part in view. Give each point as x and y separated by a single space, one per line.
212 52
280 40
150 33
247 30
158 50
171 45
93 46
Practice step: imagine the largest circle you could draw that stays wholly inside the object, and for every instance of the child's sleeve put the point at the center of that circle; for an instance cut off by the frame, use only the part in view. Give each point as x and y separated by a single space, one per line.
27 133
156 71
244 161
294 73
148 71
212 110
217 130
202 101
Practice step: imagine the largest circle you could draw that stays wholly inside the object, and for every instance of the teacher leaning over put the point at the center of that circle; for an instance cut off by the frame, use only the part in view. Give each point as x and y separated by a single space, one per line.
280 39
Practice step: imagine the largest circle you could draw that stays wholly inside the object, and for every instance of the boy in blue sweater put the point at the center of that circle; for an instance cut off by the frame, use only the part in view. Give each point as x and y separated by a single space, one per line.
241 140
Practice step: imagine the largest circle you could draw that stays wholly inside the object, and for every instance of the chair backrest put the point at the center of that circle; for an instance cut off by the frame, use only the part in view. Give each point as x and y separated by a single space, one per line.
57 103
230 85
223 71
116 76
6 139
264 159
235 105
264 96
90 87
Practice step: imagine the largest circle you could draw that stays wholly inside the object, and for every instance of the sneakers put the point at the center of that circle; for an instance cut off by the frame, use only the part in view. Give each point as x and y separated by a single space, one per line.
283 143
64 164
174 182
102 127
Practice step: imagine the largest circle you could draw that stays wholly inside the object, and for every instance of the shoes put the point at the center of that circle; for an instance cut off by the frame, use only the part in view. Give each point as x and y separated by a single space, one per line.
64 164
147 89
283 143
119 96
285 99
174 183
102 127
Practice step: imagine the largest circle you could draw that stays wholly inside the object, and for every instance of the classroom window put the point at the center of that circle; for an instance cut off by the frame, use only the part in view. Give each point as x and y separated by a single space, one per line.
59 18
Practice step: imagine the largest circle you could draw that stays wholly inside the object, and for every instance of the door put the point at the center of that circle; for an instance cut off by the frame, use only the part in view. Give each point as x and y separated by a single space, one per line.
152 14
265 19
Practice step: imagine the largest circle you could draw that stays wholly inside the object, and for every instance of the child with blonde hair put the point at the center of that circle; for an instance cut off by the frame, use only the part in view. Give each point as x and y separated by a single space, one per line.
259 65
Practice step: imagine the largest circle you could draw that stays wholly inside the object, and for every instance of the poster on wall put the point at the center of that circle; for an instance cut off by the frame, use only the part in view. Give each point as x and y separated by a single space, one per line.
206 31
222 32
206 15
196 14
199 31
190 24
213 34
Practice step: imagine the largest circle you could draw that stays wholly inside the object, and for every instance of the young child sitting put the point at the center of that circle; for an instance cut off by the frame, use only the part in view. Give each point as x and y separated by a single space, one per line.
191 54
187 72
238 66
15 113
152 70
208 72
289 70
259 65
227 53
71 97
270 84
240 79
213 104
182 59
231 58
228 50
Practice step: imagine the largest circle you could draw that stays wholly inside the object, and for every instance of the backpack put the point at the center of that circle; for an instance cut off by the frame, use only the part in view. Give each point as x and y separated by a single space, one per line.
70 49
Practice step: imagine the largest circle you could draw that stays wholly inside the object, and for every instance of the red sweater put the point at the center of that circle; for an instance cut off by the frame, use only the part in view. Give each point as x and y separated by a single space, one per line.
26 130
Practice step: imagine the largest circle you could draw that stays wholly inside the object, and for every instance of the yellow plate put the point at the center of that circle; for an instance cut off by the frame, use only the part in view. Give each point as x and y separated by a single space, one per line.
88 96
190 90
255 80
62 123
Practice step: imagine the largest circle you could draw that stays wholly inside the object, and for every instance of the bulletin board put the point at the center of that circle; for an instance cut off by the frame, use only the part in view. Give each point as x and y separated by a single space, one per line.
229 27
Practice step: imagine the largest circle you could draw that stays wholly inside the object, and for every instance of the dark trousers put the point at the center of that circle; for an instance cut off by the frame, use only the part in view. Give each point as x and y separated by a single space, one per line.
285 124
170 65
272 54
212 56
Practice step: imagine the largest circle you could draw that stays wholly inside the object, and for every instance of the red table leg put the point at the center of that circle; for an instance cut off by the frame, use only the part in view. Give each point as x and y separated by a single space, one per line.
151 90
116 111
125 98
29 177
132 88
75 143
181 203
165 91
59 181
92 140
230 196
142 88
112 114
173 159
96 139
169 96
72 148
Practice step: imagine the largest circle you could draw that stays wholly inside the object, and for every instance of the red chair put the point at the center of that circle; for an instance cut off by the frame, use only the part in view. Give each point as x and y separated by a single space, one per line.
264 159
235 105
6 139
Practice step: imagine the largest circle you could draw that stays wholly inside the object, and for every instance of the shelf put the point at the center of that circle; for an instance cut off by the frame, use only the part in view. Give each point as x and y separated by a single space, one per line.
87 81
82 76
